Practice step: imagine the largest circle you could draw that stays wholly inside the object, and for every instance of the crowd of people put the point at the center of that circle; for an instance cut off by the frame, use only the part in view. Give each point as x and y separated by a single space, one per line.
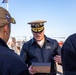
19 58
15 44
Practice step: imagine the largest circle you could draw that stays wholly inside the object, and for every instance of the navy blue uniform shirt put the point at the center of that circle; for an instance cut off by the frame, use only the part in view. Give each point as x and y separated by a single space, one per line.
10 62
32 52
68 54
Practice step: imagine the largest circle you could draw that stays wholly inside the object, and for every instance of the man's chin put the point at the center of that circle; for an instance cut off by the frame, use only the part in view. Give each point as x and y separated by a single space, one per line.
38 39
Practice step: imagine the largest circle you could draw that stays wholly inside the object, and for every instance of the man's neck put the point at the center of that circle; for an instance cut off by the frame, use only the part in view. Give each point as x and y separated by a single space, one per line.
41 43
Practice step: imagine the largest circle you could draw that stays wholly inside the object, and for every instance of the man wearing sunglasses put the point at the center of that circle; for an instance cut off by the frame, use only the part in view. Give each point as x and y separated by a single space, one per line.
39 50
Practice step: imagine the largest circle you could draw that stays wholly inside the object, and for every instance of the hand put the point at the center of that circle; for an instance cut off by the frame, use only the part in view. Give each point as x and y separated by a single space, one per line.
32 70
57 59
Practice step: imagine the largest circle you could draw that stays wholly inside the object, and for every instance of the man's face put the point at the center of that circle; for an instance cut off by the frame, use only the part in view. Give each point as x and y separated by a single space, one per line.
38 36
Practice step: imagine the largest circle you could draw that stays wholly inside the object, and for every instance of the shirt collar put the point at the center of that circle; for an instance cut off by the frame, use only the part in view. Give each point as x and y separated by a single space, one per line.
2 42
46 38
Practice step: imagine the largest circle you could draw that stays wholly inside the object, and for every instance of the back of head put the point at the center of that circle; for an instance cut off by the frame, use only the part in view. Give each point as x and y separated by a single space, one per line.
5 22
5 17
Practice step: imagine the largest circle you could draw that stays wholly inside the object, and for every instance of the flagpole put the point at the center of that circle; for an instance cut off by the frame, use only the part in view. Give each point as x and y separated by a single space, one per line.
6 1
7 6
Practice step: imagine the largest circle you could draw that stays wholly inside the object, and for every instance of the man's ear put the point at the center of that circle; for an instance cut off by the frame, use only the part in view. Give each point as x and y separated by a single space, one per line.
44 29
5 28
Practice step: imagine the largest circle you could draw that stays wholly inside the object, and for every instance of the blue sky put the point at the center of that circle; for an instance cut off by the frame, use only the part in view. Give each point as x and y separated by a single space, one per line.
59 14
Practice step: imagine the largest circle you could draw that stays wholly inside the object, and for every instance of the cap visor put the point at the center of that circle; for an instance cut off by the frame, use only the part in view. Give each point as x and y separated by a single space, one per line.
37 30
13 20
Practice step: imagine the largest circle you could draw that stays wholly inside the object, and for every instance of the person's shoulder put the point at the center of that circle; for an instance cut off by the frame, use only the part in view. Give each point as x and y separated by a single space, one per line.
17 64
51 39
71 37
71 40
15 59
11 56
28 42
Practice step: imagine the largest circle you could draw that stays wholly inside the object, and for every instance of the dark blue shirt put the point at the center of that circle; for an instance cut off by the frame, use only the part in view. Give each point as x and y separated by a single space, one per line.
10 62
68 53
32 52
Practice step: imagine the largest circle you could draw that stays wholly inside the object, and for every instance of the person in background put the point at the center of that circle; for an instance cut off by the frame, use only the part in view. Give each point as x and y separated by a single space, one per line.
61 43
13 43
10 62
68 55
41 49
18 47
9 42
